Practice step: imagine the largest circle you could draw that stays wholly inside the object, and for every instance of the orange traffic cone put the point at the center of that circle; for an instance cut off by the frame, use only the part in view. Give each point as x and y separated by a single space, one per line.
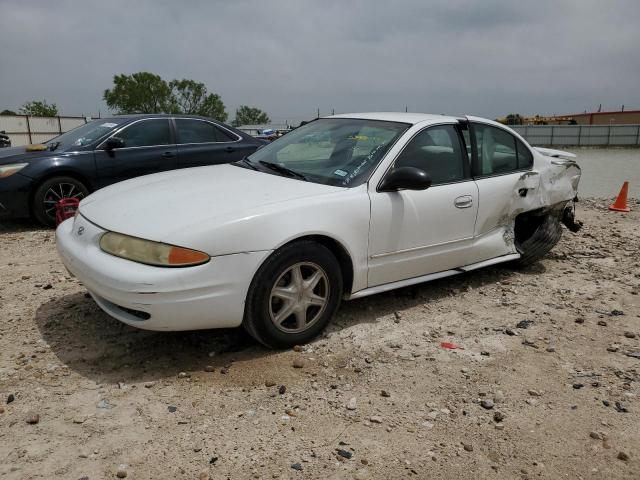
621 205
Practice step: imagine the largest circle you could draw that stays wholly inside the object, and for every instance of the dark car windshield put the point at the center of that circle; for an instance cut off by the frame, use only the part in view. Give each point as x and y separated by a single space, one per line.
85 134
333 151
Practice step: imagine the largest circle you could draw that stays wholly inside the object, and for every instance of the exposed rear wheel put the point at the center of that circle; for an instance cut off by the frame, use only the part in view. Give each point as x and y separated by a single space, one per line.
293 295
50 192
535 237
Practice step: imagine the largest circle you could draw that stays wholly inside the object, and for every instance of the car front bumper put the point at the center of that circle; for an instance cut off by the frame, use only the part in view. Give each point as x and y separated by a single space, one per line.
14 196
157 298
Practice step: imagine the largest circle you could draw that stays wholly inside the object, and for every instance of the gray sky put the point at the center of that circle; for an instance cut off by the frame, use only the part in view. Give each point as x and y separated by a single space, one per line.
483 57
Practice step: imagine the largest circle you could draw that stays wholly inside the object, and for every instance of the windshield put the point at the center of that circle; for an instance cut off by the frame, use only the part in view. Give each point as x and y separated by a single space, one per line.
334 151
84 134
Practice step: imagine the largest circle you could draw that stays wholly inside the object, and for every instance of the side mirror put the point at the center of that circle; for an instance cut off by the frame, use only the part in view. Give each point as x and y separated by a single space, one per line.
114 142
405 178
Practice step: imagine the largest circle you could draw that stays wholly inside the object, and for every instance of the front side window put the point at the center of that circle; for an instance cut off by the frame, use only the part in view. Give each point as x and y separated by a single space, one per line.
199 131
333 151
496 150
437 151
146 133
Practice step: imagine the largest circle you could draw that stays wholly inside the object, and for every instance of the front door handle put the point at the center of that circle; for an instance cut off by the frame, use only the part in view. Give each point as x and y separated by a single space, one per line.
465 201
168 155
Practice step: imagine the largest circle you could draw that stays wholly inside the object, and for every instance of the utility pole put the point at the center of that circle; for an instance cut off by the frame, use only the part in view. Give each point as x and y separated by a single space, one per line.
333 112
406 109
318 113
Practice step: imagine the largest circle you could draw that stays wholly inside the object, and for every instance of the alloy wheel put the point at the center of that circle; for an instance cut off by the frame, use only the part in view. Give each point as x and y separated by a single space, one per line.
57 192
299 297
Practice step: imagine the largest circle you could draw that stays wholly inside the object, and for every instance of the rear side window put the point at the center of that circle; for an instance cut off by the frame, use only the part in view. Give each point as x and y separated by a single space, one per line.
437 151
224 136
496 150
196 131
525 157
146 133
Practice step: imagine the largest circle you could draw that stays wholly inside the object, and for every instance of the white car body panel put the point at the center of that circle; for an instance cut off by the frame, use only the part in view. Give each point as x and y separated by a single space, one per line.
240 216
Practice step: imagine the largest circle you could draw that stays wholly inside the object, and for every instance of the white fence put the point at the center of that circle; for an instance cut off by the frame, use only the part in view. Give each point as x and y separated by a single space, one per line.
23 129
580 135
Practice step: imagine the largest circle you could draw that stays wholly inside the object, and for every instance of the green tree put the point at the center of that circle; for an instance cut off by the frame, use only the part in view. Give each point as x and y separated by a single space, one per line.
145 92
141 92
38 108
250 116
191 98
8 112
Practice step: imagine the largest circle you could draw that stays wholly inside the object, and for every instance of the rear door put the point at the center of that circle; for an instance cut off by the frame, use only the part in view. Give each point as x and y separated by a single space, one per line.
148 148
201 142
415 233
502 169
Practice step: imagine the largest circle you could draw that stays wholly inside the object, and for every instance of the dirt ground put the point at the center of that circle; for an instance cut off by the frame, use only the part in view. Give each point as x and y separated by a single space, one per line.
555 396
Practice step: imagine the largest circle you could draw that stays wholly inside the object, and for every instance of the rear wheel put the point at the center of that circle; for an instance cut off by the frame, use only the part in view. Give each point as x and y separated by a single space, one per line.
535 236
50 192
294 295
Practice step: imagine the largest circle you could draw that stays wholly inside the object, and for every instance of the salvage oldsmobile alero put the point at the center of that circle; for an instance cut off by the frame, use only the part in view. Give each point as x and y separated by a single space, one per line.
341 208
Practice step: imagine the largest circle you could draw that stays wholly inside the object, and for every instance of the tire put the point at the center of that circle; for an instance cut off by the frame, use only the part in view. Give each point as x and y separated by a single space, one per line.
540 235
52 190
274 289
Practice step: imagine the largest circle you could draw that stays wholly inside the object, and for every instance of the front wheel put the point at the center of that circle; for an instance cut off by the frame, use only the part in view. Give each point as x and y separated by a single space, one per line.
50 192
294 295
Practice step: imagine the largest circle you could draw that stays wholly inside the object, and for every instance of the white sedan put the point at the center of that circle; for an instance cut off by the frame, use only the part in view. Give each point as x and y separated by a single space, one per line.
341 208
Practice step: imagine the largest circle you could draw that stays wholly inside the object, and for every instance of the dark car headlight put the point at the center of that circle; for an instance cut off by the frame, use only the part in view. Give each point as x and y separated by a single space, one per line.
8 170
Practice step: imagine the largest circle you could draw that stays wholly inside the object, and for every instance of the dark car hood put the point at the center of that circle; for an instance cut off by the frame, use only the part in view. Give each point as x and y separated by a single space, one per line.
20 155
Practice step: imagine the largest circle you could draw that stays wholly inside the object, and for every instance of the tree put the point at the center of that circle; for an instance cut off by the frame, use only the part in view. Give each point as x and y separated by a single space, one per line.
141 92
145 92
8 112
39 109
250 116
191 98
514 119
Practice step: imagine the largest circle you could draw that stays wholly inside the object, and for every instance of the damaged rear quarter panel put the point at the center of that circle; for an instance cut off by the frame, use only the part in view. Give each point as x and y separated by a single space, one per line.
550 182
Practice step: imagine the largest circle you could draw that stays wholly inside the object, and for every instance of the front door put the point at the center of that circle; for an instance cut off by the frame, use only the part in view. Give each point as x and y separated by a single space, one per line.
148 148
414 233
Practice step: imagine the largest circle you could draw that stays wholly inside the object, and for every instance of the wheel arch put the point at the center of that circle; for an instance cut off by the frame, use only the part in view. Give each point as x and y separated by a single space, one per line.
63 172
334 246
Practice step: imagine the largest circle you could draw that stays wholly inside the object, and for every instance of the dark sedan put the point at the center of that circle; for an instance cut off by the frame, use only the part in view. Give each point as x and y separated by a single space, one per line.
34 178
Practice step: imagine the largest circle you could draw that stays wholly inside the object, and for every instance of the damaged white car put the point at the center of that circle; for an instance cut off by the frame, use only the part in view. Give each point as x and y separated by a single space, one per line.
341 208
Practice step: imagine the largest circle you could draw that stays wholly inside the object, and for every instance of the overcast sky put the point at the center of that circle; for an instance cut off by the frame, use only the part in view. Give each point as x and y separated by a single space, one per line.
483 57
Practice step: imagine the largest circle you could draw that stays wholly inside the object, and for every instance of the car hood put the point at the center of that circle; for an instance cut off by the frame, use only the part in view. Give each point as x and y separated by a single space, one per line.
160 207
20 155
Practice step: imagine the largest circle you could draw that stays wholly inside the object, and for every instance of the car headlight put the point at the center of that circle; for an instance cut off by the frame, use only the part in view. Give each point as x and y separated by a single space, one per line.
8 170
150 253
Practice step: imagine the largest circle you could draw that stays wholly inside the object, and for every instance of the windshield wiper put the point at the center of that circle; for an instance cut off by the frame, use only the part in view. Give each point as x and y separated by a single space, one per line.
53 146
247 162
284 170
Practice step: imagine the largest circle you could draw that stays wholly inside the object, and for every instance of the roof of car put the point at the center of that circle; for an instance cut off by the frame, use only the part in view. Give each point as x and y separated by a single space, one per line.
154 115
404 117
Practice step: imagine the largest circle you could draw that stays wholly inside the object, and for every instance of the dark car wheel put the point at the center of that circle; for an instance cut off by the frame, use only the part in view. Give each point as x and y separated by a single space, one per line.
51 192
535 237
293 296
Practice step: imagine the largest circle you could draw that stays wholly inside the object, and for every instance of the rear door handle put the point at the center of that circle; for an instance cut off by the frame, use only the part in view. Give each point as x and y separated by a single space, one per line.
229 149
168 155
464 201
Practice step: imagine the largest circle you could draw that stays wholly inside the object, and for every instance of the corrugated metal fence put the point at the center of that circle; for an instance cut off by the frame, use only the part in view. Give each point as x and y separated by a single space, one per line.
580 135
23 129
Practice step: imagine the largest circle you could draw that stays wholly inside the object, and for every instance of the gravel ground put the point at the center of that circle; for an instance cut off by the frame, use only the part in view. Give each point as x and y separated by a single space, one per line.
545 385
